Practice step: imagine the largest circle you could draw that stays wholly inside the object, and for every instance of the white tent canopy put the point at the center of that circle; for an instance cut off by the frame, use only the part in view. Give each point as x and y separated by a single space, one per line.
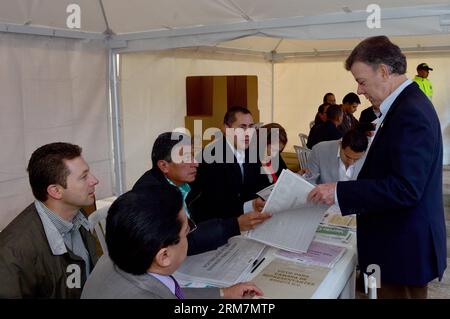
162 24
59 83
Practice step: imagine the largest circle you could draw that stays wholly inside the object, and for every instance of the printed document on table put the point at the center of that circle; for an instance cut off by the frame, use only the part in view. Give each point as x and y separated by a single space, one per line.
223 266
320 254
294 221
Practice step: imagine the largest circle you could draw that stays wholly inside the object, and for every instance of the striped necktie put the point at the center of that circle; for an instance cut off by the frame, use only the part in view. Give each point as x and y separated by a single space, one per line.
178 292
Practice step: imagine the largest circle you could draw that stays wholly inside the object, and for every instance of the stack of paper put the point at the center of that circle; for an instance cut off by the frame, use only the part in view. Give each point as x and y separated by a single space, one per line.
294 220
333 234
221 267
320 254
283 279
333 217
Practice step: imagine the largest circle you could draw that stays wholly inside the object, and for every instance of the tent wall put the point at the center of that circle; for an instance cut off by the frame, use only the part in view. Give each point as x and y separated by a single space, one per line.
300 86
154 99
153 91
51 90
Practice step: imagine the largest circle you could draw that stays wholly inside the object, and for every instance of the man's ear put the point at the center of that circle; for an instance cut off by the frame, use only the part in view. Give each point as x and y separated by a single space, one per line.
162 258
163 166
385 73
54 191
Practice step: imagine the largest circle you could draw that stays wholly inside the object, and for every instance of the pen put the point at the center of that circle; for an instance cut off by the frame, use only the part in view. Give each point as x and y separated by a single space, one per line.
257 265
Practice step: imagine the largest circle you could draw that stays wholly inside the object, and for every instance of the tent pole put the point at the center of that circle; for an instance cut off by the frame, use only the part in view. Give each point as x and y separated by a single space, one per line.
272 107
115 123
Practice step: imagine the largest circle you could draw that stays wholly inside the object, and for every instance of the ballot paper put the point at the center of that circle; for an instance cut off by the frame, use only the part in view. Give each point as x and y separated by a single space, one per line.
222 267
265 193
320 254
283 279
294 220
333 217
333 234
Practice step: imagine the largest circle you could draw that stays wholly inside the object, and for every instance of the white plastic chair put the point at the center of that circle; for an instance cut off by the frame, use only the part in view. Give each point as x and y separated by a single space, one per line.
302 155
303 139
97 223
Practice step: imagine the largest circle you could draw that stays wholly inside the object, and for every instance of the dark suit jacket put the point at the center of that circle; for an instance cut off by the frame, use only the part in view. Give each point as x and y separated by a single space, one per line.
220 183
210 234
398 195
323 132
348 122
367 115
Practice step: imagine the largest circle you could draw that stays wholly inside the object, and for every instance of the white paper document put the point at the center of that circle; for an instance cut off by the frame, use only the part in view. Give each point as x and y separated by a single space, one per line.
294 220
265 193
221 267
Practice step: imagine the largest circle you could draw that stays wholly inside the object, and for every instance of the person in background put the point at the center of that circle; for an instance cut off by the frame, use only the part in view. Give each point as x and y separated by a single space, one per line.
329 98
349 105
272 163
229 172
327 131
423 70
179 172
146 235
338 160
397 197
47 251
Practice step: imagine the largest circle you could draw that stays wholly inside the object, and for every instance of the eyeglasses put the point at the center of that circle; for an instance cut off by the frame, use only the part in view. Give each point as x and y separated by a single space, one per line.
192 225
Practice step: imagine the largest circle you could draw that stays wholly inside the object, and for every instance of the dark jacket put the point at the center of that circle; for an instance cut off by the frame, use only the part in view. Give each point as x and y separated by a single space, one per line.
367 115
209 234
221 185
398 195
349 122
323 132
28 268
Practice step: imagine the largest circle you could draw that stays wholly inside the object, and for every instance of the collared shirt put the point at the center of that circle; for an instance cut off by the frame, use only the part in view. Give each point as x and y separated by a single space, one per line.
384 109
240 156
165 280
184 189
345 174
62 234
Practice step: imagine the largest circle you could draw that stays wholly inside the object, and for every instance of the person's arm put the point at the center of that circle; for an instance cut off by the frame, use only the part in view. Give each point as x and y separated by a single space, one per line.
212 234
313 164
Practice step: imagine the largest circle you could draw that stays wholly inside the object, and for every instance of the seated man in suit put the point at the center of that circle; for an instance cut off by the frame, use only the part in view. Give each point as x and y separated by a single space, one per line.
327 131
229 174
47 251
178 172
146 235
334 161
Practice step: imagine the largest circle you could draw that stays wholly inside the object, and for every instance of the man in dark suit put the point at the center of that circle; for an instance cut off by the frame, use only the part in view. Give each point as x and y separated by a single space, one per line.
398 194
169 172
229 174
350 103
327 131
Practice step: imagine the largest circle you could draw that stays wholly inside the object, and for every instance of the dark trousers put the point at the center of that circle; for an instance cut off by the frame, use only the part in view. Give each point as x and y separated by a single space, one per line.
392 291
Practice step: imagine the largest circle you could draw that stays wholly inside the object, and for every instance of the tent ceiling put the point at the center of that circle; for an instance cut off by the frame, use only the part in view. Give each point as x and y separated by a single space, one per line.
286 26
